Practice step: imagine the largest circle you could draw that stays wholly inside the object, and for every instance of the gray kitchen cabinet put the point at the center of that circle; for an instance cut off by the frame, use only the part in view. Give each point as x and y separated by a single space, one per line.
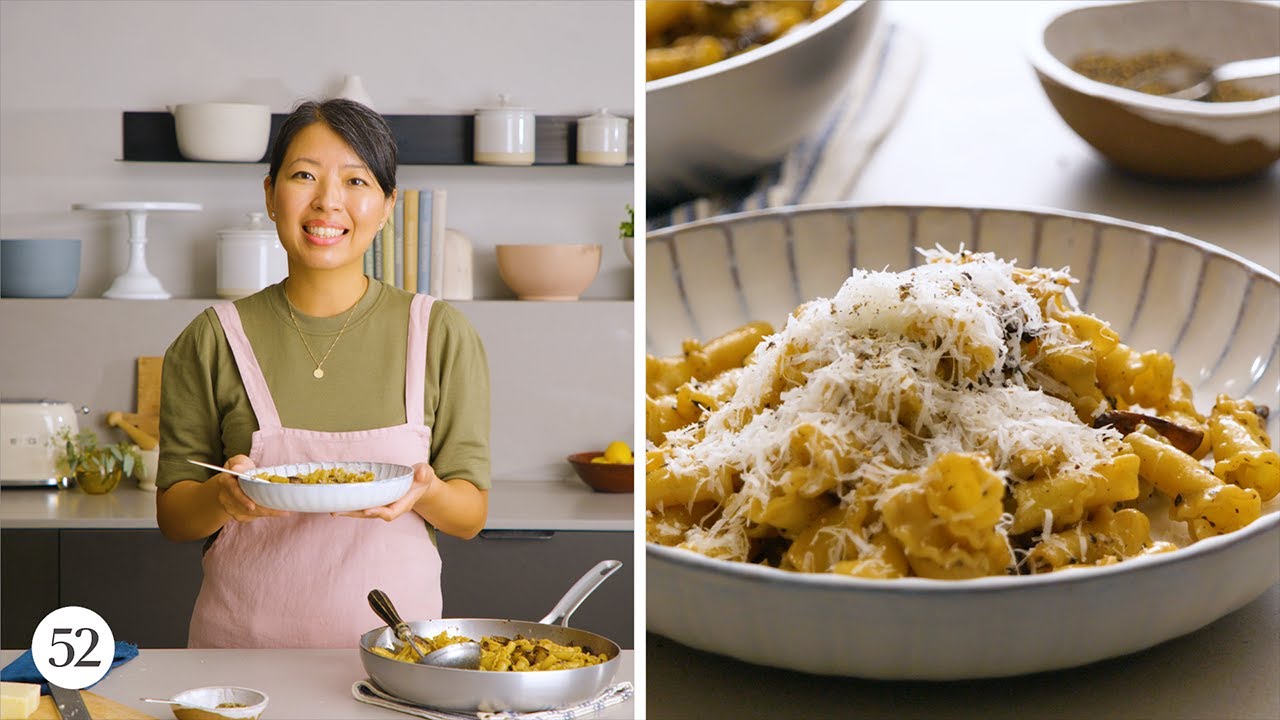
145 586
520 575
28 583
142 584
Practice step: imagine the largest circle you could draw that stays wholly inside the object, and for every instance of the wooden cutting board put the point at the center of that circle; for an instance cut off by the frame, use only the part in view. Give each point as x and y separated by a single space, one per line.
149 385
147 416
100 708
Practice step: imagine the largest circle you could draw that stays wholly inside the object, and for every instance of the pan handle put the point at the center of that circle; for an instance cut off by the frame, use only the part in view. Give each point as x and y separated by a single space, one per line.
586 584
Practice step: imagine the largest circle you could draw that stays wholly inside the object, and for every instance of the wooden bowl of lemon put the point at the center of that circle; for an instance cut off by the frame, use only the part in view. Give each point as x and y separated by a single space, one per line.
611 471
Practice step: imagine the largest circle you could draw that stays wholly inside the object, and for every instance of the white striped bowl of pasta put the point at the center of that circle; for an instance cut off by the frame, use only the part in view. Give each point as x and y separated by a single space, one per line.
328 487
1042 442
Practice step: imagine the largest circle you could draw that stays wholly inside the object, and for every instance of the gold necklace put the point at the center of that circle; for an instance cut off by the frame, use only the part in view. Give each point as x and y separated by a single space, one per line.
319 371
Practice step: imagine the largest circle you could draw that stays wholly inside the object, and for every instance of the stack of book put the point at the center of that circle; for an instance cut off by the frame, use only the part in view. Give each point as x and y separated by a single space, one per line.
409 253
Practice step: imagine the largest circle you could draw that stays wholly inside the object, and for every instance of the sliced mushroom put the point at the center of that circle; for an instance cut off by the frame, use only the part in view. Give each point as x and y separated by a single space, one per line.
1184 438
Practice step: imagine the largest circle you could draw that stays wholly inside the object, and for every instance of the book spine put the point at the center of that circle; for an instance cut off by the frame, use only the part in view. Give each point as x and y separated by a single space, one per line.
377 256
409 245
397 224
368 260
425 242
438 212
388 242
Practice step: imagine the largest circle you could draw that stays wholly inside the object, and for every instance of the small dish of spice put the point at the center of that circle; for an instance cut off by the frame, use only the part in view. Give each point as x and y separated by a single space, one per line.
219 702
1108 71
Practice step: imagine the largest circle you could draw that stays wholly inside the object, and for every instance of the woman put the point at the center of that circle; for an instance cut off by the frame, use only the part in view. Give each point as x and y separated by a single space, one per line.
327 365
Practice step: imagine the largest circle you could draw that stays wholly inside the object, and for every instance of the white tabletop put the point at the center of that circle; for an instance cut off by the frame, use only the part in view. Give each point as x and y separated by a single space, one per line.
978 130
301 684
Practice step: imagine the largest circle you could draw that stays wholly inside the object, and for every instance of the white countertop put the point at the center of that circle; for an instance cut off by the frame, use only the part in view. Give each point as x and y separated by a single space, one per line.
565 504
977 130
301 684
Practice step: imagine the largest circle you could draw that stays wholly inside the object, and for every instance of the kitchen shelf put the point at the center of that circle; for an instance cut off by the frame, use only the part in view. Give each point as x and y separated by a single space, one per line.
420 139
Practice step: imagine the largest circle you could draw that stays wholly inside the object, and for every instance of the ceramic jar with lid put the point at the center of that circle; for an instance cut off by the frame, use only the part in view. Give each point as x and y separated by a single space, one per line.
250 258
602 139
504 134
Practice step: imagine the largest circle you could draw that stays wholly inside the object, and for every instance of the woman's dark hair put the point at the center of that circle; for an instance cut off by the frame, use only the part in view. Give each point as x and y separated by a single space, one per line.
364 130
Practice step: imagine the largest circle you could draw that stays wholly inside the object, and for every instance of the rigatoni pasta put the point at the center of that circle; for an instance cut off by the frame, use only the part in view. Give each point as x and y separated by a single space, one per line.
957 420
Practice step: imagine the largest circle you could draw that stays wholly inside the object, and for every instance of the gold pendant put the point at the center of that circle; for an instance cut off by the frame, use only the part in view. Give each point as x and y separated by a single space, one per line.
318 373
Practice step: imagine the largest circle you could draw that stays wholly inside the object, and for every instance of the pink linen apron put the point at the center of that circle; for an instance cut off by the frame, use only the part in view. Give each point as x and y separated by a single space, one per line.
301 581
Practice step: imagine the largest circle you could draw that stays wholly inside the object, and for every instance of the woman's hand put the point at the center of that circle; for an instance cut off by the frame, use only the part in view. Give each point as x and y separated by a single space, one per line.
233 500
424 481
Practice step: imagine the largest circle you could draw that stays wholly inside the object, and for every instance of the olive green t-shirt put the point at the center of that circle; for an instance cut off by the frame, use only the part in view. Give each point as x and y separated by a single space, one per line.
205 412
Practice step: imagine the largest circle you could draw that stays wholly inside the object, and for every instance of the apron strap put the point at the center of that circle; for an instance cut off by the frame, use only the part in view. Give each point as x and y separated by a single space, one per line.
415 364
250 372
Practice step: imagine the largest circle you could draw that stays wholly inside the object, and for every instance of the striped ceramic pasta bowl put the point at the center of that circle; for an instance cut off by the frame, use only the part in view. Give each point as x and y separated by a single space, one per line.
334 486
876 604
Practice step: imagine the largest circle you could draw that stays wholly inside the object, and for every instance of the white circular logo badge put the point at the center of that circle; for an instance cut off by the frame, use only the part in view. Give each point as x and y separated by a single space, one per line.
73 647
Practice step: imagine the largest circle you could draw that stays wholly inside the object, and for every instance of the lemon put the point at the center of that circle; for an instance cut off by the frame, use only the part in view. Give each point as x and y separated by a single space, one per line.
618 452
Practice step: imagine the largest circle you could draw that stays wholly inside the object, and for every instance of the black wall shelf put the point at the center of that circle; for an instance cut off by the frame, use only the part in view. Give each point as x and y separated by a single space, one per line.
420 139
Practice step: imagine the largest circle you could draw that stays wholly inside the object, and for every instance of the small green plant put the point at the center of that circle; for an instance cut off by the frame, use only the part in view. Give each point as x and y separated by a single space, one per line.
98 468
626 228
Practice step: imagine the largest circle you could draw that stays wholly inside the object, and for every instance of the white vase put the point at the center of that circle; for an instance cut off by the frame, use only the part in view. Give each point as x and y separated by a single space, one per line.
353 89
457 267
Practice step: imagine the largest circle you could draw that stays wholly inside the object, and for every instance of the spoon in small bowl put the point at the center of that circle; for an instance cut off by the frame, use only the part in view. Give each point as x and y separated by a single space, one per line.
1198 86
183 704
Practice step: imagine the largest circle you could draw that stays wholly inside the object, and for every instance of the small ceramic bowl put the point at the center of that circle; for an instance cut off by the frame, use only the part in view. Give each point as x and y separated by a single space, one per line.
603 477
250 703
45 268
548 272
1157 136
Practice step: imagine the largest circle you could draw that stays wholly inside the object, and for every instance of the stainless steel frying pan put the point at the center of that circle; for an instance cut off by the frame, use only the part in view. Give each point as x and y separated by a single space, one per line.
472 690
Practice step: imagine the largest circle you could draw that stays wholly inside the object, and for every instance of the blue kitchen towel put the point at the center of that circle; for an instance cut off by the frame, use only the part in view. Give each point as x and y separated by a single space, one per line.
23 668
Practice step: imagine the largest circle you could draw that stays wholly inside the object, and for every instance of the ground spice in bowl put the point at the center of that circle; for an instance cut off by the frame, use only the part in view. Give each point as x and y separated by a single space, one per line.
1151 72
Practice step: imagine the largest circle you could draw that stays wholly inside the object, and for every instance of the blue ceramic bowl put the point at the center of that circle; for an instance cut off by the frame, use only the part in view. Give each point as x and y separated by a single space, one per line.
44 268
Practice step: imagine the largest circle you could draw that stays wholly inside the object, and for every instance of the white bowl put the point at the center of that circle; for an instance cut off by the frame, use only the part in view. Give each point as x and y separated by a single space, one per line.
255 701
1158 136
1214 311
389 484
727 121
222 132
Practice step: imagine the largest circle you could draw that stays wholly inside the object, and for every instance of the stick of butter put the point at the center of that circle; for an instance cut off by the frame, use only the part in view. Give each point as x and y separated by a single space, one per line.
18 700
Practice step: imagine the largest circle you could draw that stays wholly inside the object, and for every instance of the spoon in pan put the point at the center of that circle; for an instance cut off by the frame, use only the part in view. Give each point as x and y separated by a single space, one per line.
464 655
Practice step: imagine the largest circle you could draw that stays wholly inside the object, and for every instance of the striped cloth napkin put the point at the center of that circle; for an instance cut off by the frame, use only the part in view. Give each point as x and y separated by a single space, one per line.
367 692
826 166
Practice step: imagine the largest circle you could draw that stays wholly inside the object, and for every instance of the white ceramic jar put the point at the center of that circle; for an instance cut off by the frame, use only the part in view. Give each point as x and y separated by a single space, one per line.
504 134
250 258
602 139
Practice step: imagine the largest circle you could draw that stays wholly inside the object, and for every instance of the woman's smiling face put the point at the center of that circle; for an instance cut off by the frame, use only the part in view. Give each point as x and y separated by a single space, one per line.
326 204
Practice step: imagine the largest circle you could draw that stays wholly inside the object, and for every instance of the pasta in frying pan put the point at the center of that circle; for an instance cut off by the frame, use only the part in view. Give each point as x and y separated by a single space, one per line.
501 654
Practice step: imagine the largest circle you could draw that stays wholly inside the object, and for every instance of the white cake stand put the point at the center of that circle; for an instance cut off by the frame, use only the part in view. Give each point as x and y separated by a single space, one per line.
137 283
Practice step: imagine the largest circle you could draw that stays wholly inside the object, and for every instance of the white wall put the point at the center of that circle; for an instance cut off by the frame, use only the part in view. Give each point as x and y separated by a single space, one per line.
68 69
